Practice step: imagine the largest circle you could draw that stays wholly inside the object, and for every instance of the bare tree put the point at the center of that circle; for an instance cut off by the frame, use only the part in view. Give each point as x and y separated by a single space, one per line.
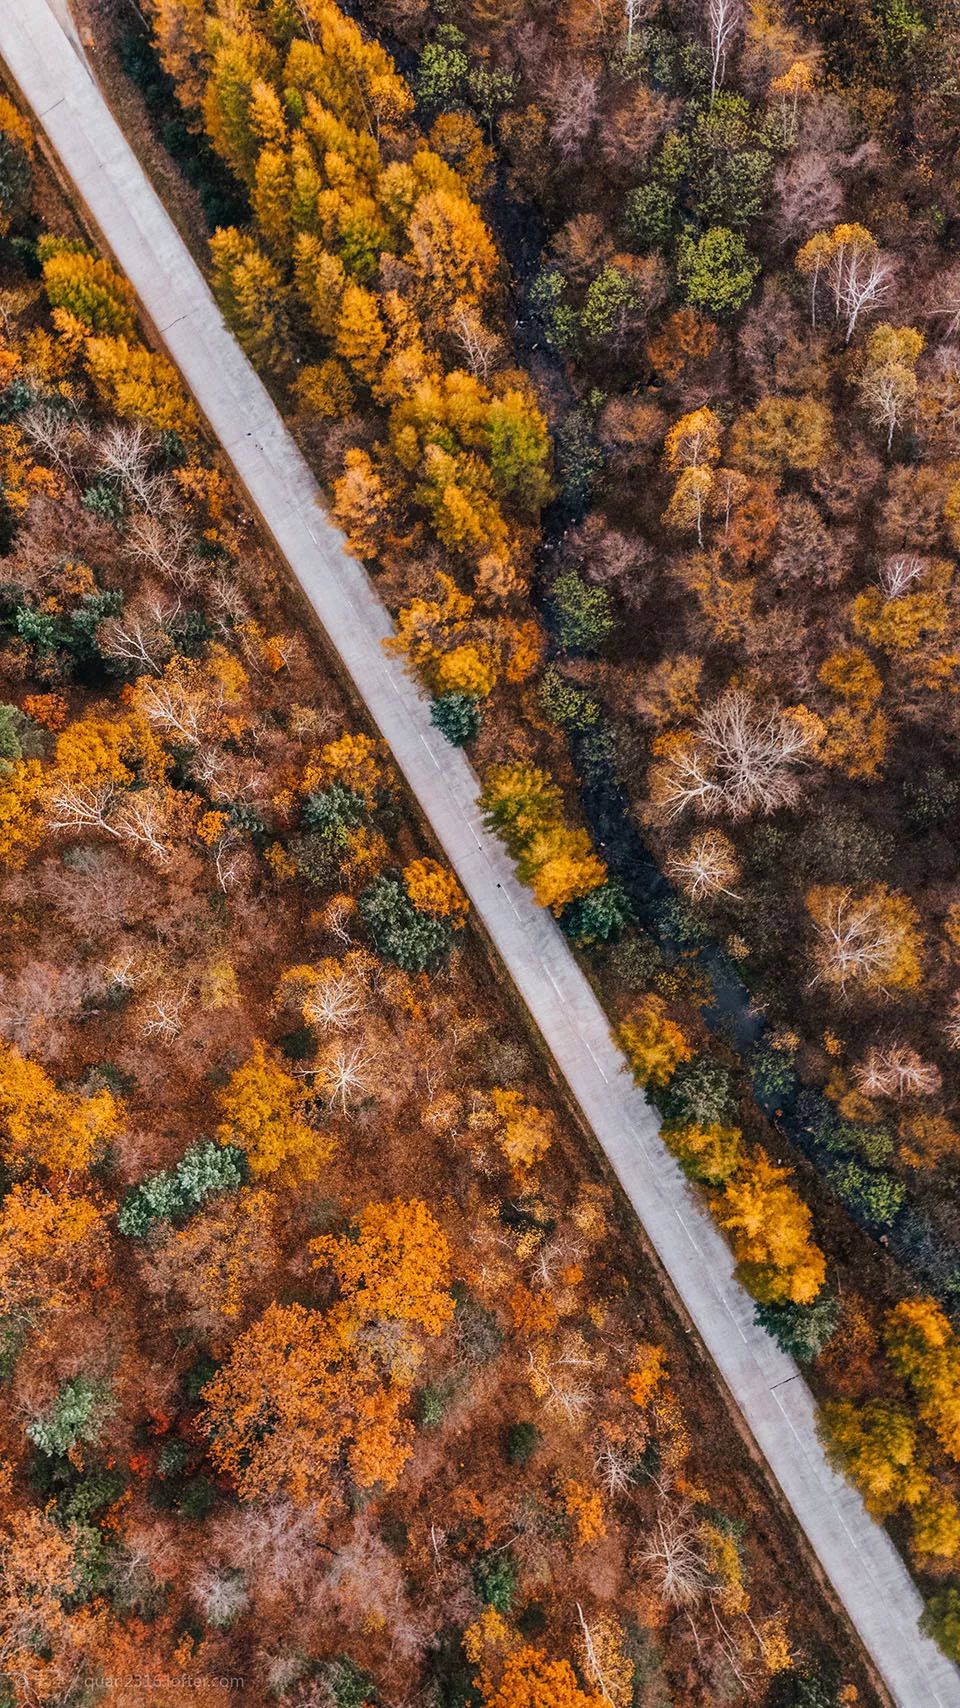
724 23
708 866
944 303
221 1596
481 348
573 98
674 1557
139 638
635 10
739 759
126 450
174 706
164 543
861 279
809 193
897 1071
614 1466
860 939
346 1075
58 436
592 1660
164 1017
336 918
897 573
887 390
558 1379
338 1000
134 816
232 859
552 1256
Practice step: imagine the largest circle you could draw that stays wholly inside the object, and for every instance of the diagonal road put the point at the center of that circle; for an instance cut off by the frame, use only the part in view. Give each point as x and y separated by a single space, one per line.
867 1573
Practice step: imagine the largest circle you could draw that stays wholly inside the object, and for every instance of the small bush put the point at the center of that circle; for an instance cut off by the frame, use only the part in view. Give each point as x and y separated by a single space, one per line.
520 1442
800 1330
457 716
601 916
495 1579
701 1094
941 1620
582 614
431 1404
417 942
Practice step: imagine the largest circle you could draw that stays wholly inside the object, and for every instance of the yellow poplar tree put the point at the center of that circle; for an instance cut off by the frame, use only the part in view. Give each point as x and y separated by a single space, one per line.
263 1113
43 1127
654 1044
924 1350
769 1228
140 383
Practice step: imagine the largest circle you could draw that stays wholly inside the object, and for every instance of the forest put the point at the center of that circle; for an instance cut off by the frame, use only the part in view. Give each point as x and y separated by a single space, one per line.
333 1367
625 342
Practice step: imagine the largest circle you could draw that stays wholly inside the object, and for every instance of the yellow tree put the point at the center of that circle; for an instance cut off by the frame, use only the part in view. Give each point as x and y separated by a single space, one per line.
42 1127
360 336
99 750
848 263
22 793
242 61
530 1679
207 1265
525 807
85 286
876 1447
693 441
888 380
349 73
690 449
365 503
524 1132
769 1228
560 866
451 251
263 1113
924 1350
427 628
433 889
180 32
252 294
53 1244
653 1043
320 279
356 760
49 1641
708 1152
782 433
856 732
140 383
935 1528
792 86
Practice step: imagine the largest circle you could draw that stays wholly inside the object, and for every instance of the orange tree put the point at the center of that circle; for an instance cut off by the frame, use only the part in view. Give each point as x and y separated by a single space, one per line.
394 1263
299 1394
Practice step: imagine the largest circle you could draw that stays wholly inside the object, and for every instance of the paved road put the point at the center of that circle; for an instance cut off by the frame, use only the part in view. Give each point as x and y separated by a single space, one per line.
866 1572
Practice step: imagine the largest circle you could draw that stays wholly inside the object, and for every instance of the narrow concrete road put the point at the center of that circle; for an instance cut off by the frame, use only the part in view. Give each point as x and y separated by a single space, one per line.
866 1572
